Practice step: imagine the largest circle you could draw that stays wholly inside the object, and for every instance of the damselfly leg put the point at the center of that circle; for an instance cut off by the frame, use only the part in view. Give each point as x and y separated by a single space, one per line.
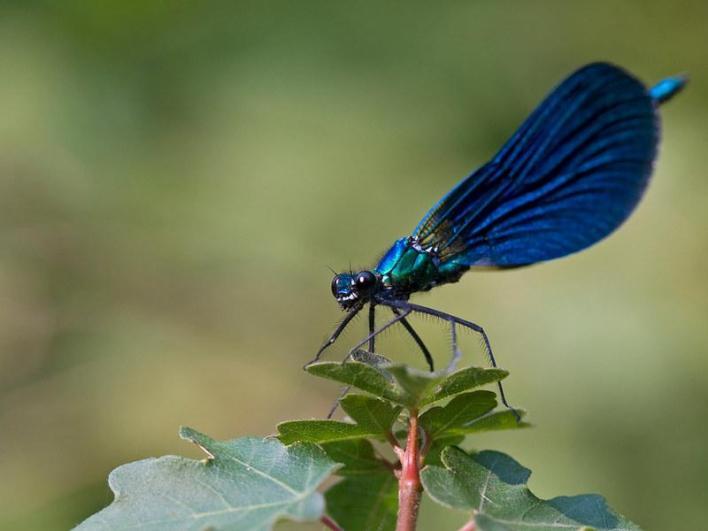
372 346
407 308
399 317
372 326
418 340
335 334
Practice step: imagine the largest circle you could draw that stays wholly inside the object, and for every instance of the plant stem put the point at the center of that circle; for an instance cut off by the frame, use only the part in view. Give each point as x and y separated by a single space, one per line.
409 488
329 523
469 526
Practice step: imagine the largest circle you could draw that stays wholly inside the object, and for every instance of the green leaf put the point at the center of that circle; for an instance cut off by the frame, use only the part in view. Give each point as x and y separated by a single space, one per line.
405 385
498 420
461 410
492 487
420 388
414 383
373 414
360 375
379 380
244 484
364 503
320 431
373 417
463 380
357 457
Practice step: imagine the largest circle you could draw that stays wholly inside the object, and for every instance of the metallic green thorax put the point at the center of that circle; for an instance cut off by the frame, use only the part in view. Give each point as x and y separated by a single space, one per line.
407 268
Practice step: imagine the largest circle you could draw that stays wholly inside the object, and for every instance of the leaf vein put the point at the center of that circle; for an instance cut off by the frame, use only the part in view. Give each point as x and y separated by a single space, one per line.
265 475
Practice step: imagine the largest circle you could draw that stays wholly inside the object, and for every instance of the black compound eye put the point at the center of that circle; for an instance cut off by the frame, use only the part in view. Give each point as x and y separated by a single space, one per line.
335 285
365 280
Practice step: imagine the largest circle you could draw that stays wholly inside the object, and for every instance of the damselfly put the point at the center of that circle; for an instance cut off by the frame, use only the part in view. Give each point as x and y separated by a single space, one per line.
570 175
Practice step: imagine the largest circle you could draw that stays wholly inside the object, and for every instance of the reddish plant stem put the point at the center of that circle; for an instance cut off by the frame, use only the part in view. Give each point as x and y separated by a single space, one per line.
409 488
469 526
330 524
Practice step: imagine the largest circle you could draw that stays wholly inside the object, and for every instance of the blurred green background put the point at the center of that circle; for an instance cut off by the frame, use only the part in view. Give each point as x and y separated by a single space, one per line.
175 178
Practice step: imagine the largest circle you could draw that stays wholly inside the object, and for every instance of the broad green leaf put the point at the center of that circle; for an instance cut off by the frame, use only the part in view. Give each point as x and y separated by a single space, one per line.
498 420
461 410
244 484
463 380
399 384
404 385
360 375
357 457
373 417
321 431
491 486
420 388
367 503
371 413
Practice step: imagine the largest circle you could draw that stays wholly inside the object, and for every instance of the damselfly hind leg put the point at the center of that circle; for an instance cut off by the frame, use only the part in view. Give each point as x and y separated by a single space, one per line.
418 340
408 307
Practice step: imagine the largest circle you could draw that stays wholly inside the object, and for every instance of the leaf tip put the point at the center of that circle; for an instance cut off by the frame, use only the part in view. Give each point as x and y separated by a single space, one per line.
193 436
317 367
187 433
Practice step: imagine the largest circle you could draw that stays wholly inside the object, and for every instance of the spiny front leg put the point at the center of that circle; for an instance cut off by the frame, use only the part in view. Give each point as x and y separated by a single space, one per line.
372 325
335 334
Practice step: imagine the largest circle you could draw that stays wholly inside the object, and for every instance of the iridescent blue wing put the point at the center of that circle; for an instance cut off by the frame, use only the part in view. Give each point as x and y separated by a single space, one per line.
569 176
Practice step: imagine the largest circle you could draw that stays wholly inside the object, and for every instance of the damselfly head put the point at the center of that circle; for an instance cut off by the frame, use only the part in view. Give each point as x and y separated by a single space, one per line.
350 288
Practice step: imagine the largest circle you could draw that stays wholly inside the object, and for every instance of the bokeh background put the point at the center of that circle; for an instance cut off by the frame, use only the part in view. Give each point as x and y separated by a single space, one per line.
176 178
